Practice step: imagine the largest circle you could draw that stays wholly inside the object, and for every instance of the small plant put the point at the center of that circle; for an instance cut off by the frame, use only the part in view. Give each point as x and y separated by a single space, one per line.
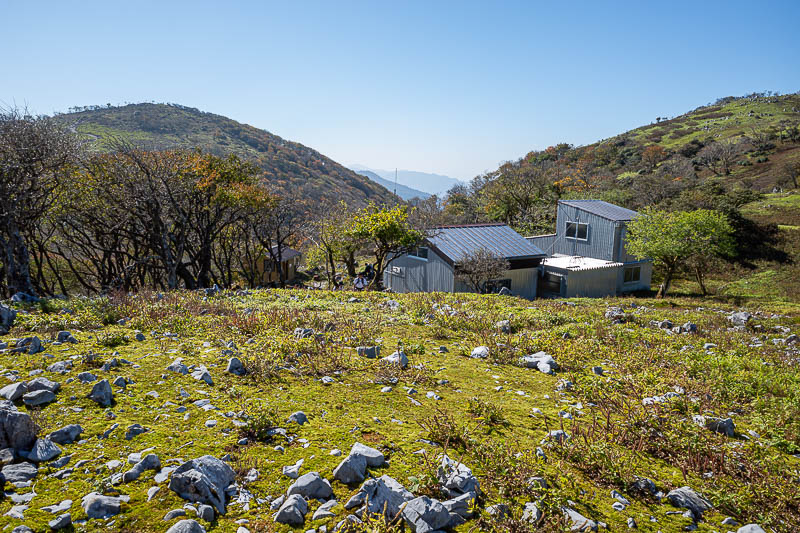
260 422
486 412
112 340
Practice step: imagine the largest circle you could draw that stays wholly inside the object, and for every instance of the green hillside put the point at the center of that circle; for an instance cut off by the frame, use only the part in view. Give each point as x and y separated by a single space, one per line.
288 166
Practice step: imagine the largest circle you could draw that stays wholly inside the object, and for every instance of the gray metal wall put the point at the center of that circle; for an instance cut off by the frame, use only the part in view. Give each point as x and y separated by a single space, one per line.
543 242
645 278
420 275
593 283
600 243
523 282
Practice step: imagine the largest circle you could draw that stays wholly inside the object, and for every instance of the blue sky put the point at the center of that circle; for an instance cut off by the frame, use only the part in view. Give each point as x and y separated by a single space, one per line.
446 87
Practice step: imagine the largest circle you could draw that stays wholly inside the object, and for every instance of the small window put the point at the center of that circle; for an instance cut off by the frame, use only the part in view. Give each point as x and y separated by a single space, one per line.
577 230
420 252
632 274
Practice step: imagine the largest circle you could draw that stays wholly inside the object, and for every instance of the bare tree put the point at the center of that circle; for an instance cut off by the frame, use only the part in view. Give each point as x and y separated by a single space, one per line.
719 157
277 227
35 153
479 267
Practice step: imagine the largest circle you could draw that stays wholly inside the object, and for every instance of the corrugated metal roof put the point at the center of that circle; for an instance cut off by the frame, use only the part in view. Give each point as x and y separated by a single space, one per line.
602 209
577 262
456 242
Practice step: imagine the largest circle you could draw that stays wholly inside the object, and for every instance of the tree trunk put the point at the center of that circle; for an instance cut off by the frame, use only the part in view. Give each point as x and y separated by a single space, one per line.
17 261
662 290
350 261
698 272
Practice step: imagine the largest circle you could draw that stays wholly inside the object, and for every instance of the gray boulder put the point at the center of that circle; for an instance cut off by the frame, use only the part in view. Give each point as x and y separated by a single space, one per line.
235 367
370 352
97 505
203 480
379 495
311 485
352 469
66 435
373 457
148 462
37 398
325 510
62 522
7 316
531 513
186 526
14 391
298 417
397 358
424 515
293 511
66 336
687 498
86 377
481 352
750 528
579 522
740 319
19 472
42 383
456 478
102 394
178 367
541 361
17 430
717 425
31 345
44 450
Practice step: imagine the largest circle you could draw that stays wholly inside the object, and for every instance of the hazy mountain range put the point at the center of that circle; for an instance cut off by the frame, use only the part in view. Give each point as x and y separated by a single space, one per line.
421 181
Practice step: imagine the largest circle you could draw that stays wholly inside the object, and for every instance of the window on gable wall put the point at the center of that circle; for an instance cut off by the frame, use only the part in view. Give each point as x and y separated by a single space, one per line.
421 252
577 230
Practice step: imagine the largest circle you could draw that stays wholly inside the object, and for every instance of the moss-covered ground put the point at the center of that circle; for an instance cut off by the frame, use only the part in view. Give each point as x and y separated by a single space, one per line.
493 413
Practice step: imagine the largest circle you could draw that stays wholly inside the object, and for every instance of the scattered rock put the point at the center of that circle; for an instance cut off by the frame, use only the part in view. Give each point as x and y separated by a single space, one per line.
203 480
380 495
17 430
424 515
293 511
97 505
397 358
311 485
62 522
740 319
542 361
148 462
298 417
686 498
235 367
352 469
14 391
186 526
102 394
481 352
39 397
718 425
44 450
370 352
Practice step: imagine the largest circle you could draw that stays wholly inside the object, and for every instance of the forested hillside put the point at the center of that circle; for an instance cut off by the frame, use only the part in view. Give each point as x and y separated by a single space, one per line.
749 145
288 166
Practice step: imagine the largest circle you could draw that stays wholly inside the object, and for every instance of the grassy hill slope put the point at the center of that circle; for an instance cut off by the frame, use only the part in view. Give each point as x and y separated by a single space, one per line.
288 166
492 414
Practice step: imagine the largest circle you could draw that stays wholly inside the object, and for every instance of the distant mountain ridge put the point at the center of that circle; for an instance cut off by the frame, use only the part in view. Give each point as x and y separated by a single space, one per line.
437 184
404 192
288 166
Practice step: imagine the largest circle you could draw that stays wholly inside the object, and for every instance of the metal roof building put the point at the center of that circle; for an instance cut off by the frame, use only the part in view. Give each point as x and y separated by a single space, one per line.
602 209
456 242
434 265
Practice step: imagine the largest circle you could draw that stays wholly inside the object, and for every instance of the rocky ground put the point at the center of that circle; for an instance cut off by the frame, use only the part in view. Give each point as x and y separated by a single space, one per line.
223 411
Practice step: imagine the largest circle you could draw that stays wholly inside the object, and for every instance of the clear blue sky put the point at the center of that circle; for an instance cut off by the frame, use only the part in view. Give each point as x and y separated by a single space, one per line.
446 87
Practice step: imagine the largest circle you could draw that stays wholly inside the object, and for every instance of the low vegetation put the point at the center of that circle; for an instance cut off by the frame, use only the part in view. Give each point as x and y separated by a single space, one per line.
628 393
